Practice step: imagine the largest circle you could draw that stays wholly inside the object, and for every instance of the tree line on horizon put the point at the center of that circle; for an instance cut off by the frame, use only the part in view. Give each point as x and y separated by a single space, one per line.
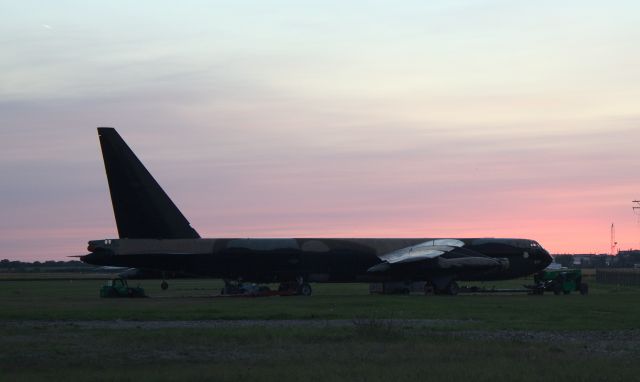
7 265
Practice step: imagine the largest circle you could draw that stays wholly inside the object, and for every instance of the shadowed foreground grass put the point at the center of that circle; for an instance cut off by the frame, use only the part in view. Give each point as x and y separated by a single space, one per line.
42 338
369 353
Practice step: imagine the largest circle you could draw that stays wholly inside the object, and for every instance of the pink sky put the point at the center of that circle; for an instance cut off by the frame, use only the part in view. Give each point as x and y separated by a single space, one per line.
446 119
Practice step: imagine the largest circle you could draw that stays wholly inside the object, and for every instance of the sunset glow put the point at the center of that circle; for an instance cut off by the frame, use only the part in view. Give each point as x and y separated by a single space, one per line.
325 119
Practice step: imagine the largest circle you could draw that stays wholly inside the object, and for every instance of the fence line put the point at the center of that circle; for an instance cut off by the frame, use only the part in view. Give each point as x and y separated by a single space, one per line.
618 276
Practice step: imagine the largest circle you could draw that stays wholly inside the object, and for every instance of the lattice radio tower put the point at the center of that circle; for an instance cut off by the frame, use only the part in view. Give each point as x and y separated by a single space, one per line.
613 240
636 209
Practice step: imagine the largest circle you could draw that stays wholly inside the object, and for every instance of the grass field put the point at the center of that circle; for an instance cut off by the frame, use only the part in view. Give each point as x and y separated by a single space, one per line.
60 329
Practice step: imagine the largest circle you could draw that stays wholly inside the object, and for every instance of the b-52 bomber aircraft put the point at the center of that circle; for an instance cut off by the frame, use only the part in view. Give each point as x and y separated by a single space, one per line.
155 235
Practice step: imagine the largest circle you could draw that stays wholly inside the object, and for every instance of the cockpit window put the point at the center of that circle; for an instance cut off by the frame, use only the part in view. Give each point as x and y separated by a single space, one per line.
520 243
525 244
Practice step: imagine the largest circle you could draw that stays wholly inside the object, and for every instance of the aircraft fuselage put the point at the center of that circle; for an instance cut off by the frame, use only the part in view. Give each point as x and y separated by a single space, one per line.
314 259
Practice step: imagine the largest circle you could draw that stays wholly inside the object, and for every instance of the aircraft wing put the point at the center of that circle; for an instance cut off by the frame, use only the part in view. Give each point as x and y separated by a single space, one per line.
443 254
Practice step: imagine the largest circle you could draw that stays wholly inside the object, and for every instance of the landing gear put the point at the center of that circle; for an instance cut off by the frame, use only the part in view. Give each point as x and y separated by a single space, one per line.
557 286
247 289
445 285
305 289
232 288
584 289
298 287
452 289
164 285
429 289
536 289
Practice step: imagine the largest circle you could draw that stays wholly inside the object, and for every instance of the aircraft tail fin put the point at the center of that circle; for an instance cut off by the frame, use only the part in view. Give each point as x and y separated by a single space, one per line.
141 207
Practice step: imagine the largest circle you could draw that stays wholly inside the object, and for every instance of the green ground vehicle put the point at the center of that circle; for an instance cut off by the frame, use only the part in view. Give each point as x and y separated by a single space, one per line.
560 281
118 287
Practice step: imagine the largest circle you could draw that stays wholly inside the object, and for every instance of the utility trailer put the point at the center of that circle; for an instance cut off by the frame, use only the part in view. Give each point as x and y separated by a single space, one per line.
558 281
429 289
396 287
241 289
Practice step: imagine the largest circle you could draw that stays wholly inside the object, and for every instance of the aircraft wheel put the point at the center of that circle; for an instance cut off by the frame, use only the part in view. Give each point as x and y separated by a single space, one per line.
164 285
584 289
429 290
452 288
305 290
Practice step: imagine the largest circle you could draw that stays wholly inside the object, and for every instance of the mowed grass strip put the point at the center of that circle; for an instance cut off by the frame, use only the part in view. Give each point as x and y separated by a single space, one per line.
607 307
375 352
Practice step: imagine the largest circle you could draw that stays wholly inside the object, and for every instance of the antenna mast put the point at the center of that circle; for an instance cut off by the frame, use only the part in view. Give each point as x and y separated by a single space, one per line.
636 209
613 240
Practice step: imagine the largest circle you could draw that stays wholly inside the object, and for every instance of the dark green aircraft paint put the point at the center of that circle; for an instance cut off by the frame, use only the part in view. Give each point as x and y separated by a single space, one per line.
155 235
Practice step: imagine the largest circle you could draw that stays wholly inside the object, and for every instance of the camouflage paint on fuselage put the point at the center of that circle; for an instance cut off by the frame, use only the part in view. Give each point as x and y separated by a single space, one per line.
314 259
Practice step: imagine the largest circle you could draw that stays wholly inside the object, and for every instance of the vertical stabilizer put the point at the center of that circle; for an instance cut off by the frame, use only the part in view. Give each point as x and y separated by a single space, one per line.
142 209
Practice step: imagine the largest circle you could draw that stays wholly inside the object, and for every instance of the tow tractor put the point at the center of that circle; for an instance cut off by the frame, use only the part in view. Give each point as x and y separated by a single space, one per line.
559 281
119 287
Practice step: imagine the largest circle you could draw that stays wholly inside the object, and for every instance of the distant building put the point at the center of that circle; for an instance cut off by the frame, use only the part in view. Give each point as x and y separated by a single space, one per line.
629 258
624 259
585 260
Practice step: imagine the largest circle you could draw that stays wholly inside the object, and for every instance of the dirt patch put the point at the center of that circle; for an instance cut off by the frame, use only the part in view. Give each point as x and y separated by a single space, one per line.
611 342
